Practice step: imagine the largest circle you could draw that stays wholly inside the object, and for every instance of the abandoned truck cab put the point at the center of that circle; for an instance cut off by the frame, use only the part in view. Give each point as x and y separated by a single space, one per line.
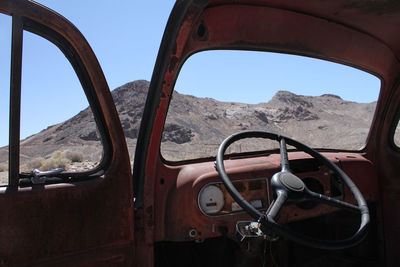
204 189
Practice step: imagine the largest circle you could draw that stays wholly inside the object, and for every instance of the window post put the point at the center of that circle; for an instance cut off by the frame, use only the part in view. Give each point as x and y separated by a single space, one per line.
15 101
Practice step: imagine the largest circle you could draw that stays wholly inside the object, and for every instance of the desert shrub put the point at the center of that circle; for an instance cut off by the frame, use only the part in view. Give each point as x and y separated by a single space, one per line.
57 154
57 160
35 163
74 156
54 163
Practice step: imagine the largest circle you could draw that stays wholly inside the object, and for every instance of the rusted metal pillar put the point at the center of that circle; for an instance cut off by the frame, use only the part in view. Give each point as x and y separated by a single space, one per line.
15 101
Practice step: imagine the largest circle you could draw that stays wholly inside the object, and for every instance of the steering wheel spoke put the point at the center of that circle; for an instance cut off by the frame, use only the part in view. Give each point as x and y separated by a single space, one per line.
331 201
284 155
277 205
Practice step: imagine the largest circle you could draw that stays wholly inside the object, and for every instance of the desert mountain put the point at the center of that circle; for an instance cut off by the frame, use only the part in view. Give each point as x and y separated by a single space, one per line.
194 123
323 121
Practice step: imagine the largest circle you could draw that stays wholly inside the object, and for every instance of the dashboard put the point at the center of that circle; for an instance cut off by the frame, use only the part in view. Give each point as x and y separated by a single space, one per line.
198 205
214 199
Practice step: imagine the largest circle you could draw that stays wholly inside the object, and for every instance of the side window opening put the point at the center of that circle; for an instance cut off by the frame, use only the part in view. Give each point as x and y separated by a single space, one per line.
47 122
5 38
57 125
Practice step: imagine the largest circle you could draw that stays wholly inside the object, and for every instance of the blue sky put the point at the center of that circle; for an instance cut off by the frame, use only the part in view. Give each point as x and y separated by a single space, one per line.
125 36
254 77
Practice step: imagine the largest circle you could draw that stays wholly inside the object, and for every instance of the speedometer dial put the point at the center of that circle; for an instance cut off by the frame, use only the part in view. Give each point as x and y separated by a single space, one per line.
211 199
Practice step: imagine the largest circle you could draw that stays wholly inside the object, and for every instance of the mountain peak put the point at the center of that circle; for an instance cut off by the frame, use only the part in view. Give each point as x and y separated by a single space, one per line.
138 86
287 98
332 96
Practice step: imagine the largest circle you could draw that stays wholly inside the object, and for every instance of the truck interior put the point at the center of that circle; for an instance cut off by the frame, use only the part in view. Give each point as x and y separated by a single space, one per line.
293 204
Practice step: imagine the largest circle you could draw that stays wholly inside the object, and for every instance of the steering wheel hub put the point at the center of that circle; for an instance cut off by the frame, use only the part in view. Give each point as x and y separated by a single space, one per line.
291 181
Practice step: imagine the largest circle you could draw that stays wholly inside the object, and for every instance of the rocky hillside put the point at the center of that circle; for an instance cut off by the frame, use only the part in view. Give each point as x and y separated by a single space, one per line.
324 121
195 124
80 134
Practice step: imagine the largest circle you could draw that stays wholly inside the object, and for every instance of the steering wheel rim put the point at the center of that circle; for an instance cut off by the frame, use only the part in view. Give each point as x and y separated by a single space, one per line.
296 188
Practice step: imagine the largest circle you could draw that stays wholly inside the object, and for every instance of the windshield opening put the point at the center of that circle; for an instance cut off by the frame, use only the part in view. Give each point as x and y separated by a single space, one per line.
317 102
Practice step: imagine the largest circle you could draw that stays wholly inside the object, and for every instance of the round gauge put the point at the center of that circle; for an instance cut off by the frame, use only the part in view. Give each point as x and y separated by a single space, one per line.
211 199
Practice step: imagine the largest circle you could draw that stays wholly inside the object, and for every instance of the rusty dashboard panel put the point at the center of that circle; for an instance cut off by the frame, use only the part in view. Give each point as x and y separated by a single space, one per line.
204 208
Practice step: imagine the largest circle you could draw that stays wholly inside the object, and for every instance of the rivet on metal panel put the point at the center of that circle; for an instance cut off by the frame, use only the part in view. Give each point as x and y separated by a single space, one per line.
193 233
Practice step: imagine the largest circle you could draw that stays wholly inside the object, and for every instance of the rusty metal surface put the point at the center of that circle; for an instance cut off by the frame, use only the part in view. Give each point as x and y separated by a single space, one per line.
181 211
379 19
387 160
